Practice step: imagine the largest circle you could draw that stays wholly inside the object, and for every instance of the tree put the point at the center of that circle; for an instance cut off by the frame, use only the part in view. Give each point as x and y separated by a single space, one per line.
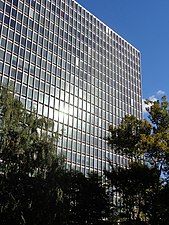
25 143
145 142
89 201
156 145
125 139
35 187
27 153
133 187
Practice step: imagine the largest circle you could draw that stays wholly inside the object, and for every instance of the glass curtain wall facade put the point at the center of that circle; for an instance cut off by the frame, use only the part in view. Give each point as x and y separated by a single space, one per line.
72 68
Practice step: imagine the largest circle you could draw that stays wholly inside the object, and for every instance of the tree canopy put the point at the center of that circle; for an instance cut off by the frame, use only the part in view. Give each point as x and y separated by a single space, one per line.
35 187
142 184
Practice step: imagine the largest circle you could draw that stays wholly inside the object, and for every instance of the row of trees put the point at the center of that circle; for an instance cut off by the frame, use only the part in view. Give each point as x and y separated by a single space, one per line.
36 188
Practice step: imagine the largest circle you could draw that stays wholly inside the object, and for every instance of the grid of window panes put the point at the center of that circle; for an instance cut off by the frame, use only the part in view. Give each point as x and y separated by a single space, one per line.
72 68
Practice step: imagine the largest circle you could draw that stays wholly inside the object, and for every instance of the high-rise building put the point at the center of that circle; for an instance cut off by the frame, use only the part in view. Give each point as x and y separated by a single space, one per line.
72 68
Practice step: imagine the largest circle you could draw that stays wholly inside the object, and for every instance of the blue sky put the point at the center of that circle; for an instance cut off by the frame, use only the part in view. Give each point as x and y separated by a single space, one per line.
145 24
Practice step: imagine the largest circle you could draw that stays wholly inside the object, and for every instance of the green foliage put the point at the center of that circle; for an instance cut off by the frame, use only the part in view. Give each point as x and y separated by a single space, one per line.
88 200
35 187
144 139
140 187
156 145
125 139
133 186
159 114
27 156
22 146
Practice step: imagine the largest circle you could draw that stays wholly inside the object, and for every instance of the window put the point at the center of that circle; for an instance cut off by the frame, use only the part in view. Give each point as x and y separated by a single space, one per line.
6 20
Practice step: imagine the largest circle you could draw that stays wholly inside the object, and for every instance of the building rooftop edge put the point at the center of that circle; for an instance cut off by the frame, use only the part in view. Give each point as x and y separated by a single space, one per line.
107 26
